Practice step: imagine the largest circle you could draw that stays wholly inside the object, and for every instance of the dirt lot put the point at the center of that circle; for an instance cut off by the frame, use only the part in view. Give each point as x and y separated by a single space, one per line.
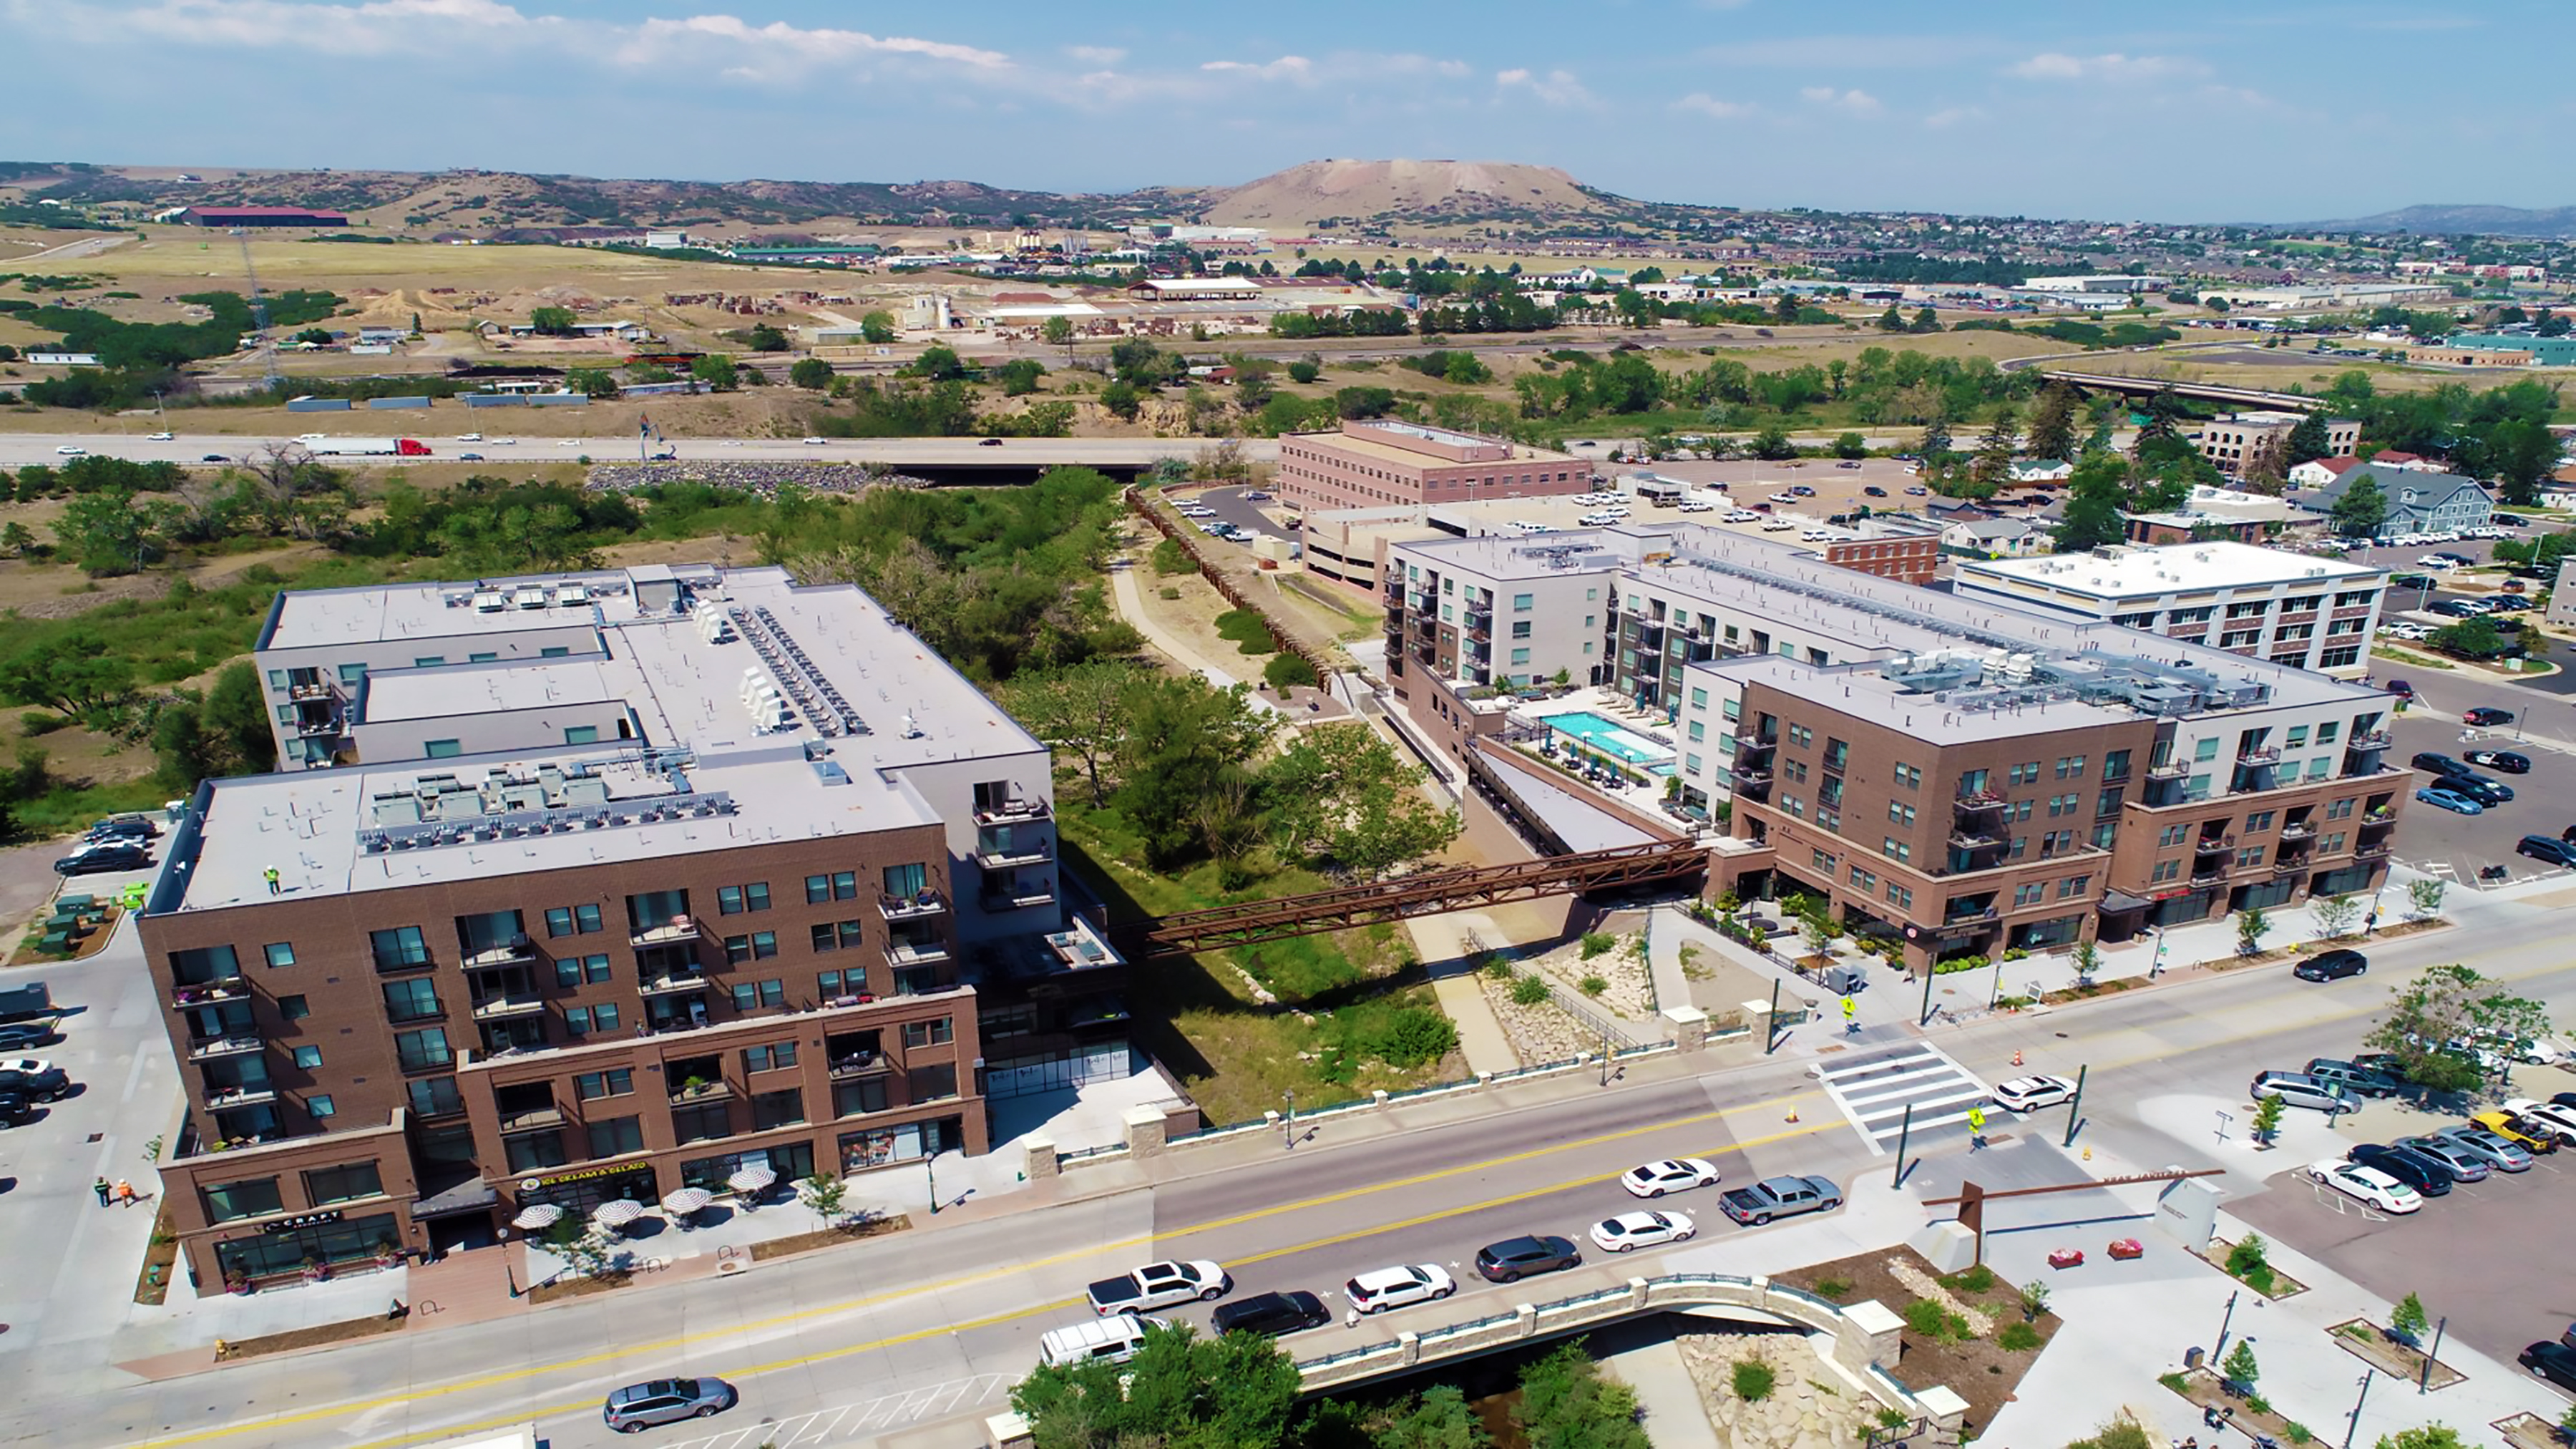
1978 1370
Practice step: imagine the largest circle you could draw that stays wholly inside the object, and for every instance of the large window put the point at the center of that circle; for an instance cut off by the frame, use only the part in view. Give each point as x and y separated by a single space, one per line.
399 949
436 1097
651 910
907 881
934 1082
852 1099
735 900
204 966
248 1198
616 1136
266 1255
415 999
934 1032
777 1056
490 931
419 1051
527 1151
615 1082
703 1122
877 1147
782 1108
342 1184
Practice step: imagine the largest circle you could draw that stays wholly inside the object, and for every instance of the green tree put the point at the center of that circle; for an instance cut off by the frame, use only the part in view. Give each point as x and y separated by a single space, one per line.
552 321
2240 1368
1340 795
1992 466
1184 739
1925 320
810 372
1019 376
2424 1436
824 1193
2267 1116
2336 914
113 531
1935 443
2088 961
2252 923
765 338
2308 441
1304 371
1567 1404
1773 443
75 675
2052 423
2407 1321
2452 1003
2424 898
1850 445
2361 510
878 328
592 382
1080 709
1122 400
15 540
716 370
1439 1419
937 363
1785 308
2471 639
1180 1391
2097 493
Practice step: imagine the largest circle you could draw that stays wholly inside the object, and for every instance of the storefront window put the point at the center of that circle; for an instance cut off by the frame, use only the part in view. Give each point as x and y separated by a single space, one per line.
886 1146
246 1199
792 1162
578 1192
273 1253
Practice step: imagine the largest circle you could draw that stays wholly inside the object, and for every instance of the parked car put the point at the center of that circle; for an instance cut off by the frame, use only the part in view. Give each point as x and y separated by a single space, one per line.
1780 1197
14 1109
2436 764
2451 800
15 1035
2427 1177
2547 851
2366 1185
2509 761
1156 1284
2332 965
638 1407
46 1083
2355 1078
2029 1094
123 827
1271 1314
2500 1154
2298 1089
2555 1362
2462 1164
2399 688
2537 1138
1513 1259
103 856
2457 608
1679 1174
2487 715
1630 1231
2559 1117
1380 1289
2484 789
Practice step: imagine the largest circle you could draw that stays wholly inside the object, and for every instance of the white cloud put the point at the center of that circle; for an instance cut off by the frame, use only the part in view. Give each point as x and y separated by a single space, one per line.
1954 116
1295 68
1557 88
1702 103
1858 103
1102 55
2057 65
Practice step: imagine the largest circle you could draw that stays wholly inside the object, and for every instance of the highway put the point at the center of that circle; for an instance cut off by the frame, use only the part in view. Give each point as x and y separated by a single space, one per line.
497 445
946 1316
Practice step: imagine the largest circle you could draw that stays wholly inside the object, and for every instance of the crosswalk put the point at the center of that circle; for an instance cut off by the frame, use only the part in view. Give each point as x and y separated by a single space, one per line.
865 1419
1873 1089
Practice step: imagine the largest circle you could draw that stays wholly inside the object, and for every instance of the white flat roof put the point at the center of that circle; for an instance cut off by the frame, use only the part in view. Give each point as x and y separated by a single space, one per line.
2143 571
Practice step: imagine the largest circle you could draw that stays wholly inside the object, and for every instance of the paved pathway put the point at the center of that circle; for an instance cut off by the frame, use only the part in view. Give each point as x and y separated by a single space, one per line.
1875 1088
1442 942
1130 600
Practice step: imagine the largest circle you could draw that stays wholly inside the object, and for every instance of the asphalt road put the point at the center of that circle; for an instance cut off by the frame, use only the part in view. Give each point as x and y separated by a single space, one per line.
947 1311
497 445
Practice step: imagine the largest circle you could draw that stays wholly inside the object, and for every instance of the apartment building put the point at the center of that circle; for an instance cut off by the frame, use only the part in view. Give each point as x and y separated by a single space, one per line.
1380 462
2233 441
630 881
2290 608
2085 771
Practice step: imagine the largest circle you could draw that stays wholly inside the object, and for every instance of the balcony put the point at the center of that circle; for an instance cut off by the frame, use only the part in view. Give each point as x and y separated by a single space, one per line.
2375 740
1976 801
2289 865
515 952
311 690
222 988
1971 840
532 1118
701 1091
1003 856
2170 770
915 953
859 1064
224 1099
225 1046
2297 830
495 1008
2208 880
2371 850
1017 897
1012 811
672 931
2214 844
670 983
312 728
2258 755
2370 823
921 905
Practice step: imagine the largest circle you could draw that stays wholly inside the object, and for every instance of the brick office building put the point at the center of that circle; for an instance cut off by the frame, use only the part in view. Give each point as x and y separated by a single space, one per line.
1380 462
729 874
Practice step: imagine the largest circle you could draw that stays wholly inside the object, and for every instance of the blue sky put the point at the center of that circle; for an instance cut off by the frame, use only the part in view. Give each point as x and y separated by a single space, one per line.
2185 110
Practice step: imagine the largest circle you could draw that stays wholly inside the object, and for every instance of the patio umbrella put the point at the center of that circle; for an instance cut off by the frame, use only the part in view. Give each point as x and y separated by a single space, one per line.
617 1212
537 1216
754 1178
687 1200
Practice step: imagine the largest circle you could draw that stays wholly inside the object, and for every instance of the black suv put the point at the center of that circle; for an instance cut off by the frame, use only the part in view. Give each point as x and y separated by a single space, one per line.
1513 1259
1271 1314
2332 965
49 1085
2405 1164
2437 765
2550 852
102 855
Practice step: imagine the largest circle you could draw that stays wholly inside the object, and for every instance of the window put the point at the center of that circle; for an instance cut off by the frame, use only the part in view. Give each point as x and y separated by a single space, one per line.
1521 603
412 1000
2029 894
528 1151
615 1082
935 1032
342 1184
419 1051
279 953
1909 777
654 910
1698 731
1520 656
2340 809
703 1122
782 1108
2326 732
2063 804
1520 628
1900 814
2019 811
2105 833
2025 774
435 1097
1864 881
1801 736
735 900
777 1056
581 734
2166 870
1822 861
1901 897
399 949
485 658
441 749
758 946
907 881
831 983
573 920
2115 765
246 1199
321 1105
583 1020
2171 836
2260 820
2071 768
578 970
352 673
839 886
2298 737
2205 749
296 1008
1699 699
934 1081
308 1057
617 1136
852 1099
751 996
1895 849
2107 803
1837 754
2249 856
2073 886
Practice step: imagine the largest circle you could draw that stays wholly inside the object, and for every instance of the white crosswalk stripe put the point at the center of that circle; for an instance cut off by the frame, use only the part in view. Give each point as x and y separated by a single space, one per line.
1873 1089
865 1418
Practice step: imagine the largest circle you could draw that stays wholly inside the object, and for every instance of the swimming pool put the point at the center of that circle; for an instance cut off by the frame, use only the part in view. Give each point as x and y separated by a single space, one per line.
1608 736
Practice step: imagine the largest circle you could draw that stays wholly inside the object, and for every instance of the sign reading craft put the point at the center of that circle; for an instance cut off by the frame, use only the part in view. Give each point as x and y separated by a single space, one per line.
301 1220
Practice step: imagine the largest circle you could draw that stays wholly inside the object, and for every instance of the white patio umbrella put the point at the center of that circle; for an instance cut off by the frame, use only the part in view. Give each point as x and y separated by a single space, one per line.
617 1212
755 1178
537 1216
687 1200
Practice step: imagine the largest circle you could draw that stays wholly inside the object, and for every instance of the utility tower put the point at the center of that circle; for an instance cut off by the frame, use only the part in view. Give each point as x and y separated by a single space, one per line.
258 309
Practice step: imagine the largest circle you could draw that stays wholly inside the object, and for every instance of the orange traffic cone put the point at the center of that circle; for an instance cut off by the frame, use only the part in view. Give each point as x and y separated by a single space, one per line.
2016 1056
1793 1114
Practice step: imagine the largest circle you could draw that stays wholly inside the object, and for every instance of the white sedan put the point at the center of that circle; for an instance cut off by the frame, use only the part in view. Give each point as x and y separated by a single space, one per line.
2366 1185
69 451
2029 1094
161 438
32 1066
2560 1117
1383 1288
1630 1231
469 437
312 437
1675 1174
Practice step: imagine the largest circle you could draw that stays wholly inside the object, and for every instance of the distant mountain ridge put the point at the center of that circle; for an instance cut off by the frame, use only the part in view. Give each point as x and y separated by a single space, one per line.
2553 222
1321 192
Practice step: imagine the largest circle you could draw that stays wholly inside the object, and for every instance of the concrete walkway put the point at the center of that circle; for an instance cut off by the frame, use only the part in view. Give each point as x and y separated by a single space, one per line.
1442 943
1129 597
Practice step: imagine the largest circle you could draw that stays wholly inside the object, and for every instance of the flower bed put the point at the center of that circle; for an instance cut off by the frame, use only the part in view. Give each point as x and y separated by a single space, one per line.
2371 1344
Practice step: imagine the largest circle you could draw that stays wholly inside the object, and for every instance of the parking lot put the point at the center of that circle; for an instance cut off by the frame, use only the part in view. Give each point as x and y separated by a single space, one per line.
2484 1256
2457 847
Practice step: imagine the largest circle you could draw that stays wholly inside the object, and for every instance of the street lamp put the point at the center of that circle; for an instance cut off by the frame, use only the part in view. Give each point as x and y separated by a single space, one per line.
1288 1143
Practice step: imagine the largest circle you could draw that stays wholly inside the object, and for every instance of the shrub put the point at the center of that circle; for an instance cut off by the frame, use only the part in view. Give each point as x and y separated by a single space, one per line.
1753 1380
2246 1254
1167 592
2034 1298
2175 1382
1528 990
1924 1317
1978 1279
2018 1337
1414 1036
2240 1369
1833 1288
1170 558
2299 1433
1288 671
1597 943
2119 1434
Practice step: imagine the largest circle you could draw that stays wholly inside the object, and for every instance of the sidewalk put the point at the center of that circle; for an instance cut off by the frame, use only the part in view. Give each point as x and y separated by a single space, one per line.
1442 943
1130 600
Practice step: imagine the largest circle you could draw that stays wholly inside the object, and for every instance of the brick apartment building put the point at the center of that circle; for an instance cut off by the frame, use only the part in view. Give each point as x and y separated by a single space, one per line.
1961 773
605 885
1379 462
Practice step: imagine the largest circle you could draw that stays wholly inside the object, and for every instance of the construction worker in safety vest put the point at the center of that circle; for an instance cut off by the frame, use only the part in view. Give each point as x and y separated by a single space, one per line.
1976 1129
1851 1017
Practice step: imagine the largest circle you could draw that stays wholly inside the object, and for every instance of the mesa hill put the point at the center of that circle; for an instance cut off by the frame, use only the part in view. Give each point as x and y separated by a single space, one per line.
1320 191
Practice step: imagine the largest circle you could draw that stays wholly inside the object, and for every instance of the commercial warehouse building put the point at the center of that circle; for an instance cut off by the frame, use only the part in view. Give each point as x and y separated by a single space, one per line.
1958 773
2264 603
602 885
260 216
1378 463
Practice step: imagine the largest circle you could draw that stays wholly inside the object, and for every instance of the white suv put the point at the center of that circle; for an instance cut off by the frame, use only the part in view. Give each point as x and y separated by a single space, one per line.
1383 1288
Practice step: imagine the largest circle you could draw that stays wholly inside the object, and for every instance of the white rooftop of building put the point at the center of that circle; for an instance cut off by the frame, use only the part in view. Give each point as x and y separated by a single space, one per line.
1864 691
2126 571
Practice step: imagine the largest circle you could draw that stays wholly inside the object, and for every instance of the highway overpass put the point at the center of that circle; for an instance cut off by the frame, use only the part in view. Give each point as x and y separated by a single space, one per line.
927 455
2243 397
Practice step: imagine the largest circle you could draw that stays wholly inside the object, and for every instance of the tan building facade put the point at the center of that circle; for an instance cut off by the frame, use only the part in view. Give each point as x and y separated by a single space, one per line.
1380 463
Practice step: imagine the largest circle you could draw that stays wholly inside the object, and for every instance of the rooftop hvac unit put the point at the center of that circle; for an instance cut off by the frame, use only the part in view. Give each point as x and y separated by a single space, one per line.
585 792
395 810
530 597
487 602
572 595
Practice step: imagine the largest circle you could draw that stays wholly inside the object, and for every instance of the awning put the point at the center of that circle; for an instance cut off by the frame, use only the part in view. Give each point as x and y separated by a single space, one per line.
2117 903
471 1195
